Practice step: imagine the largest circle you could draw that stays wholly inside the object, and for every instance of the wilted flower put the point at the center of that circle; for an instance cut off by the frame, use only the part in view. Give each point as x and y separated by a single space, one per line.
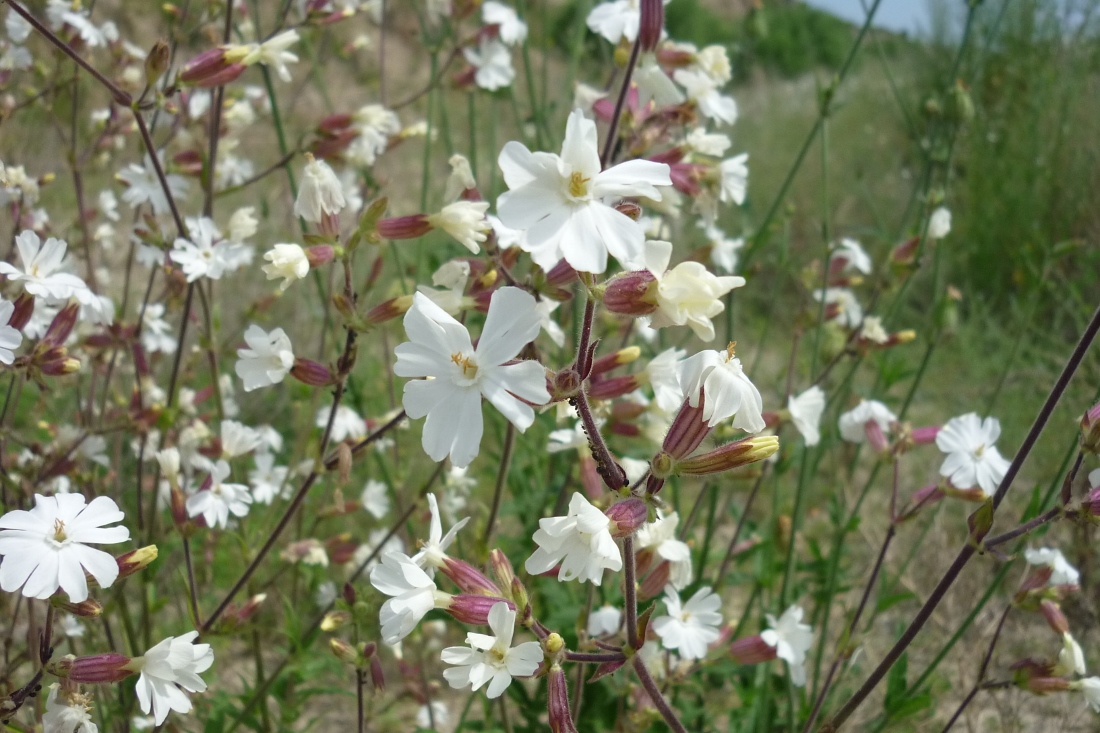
1063 573
320 194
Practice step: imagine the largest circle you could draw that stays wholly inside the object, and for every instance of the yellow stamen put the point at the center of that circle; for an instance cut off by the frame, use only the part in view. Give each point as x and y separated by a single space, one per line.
59 531
730 350
578 185
469 368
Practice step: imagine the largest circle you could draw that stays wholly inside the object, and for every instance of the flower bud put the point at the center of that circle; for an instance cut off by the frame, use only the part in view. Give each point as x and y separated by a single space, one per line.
349 594
1090 429
468 578
1057 620
61 326
609 389
156 61
390 309
1047 685
629 209
924 436
377 678
169 461
519 597
89 608
344 651
97 668
61 365
502 569
729 456
557 698
561 274
626 517
334 620
651 24
752 650
320 254
905 254
615 359
24 309
564 385
179 512
631 293
404 227
687 431
310 372
212 68
654 583
473 609
135 560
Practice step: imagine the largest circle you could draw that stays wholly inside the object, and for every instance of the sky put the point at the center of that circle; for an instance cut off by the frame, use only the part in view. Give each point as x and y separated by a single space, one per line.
911 16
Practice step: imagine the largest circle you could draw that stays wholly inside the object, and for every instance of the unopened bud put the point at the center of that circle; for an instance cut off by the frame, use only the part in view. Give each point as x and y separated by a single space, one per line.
651 24
557 699
61 326
502 569
687 431
654 583
390 309
1057 620
631 293
629 209
88 608
473 609
156 61
609 389
519 596
626 517
349 594
729 456
312 373
334 620
404 227
752 650
24 309
61 366
468 578
615 359
344 651
212 68
377 677
1090 430
97 668
135 560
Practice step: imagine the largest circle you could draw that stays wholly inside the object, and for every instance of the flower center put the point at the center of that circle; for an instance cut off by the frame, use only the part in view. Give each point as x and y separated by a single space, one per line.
59 531
578 185
730 350
34 271
469 368
979 451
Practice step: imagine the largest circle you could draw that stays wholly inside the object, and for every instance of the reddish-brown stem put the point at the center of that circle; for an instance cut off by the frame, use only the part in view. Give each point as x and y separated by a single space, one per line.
655 695
613 129
978 683
630 593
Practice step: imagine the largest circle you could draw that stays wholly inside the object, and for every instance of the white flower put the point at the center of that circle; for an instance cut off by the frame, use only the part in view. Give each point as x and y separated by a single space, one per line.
238 439
493 63
172 664
545 308
806 410
715 62
376 125
17 28
320 193
376 499
346 424
243 223
1090 686
688 294
220 500
654 85
689 628
267 479
616 20
1071 659
288 261
440 348
1063 573
70 715
108 204
848 311
581 541
273 52
412 593
660 536
205 254
733 175
46 548
435 718
560 201
156 333
872 330
791 639
465 221
604 621
939 224
703 90
972 458
10 337
433 552
663 371
507 237
723 250
729 393
585 96
714 144
853 423
853 254
44 265
511 29
492 659
70 626
144 186
268 359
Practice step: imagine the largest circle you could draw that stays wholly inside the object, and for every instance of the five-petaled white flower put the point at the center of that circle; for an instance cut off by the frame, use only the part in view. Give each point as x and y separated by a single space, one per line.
853 255
1062 572
173 663
273 52
10 337
433 552
791 639
412 593
604 621
345 424
288 261
216 503
688 294
376 499
848 311
728 392
660 537
156 333
268 359
458 375
143 185
939 223
267 479
805 410
510 28
238 439
853 424
560 201
492 61
972 458
617 19
45 548
581 541
733 179
206 253
43 268
492 659
690 627
70 714
320 194
704 91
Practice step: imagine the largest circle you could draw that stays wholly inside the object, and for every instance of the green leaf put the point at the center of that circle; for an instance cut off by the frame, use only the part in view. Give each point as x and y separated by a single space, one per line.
893 599
896 683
